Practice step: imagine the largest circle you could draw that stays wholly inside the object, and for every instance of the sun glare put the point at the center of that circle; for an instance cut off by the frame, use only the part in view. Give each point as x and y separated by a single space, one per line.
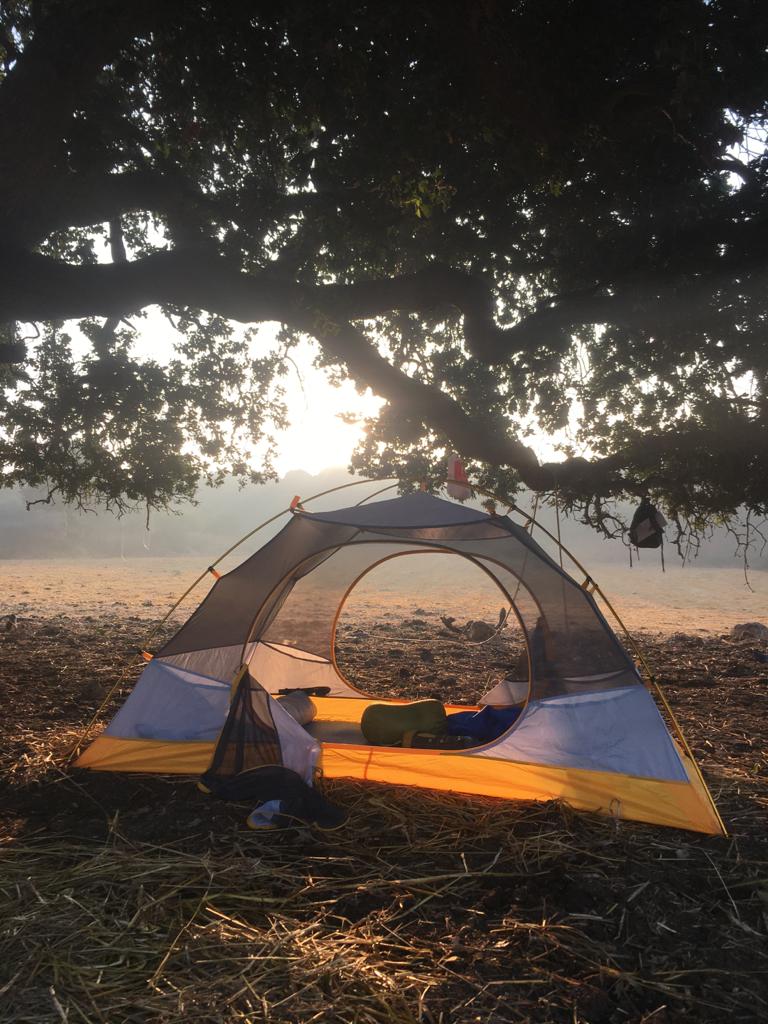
318 437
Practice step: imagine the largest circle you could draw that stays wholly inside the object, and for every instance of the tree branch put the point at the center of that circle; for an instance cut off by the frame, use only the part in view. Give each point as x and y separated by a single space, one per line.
119 255
485 440
61 291
42 91
80 200
76 200
34 287
37 288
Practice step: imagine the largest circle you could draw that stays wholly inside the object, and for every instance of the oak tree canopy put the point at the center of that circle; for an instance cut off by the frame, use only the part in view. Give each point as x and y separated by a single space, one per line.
500 216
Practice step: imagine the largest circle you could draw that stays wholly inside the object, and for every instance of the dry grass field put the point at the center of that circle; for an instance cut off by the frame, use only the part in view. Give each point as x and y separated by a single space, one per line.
138 899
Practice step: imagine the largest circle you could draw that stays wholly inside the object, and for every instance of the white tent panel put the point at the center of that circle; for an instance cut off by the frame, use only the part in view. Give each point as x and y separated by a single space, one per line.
277 667
168 703
300 750
613 731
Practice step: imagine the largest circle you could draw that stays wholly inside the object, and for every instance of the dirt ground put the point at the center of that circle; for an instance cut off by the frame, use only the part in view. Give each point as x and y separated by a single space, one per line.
132 899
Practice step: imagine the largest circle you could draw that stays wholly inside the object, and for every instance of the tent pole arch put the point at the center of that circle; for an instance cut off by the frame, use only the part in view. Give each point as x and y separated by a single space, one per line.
511 506
424 546
589 581
433 551
313 497
320 494
375 494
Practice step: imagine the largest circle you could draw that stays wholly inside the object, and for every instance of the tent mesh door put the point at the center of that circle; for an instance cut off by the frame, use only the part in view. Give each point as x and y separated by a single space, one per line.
249 738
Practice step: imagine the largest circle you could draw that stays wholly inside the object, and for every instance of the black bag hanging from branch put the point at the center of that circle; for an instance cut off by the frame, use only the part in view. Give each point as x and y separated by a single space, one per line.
647 527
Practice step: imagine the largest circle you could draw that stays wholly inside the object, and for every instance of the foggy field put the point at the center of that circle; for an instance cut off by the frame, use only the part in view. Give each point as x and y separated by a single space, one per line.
689 600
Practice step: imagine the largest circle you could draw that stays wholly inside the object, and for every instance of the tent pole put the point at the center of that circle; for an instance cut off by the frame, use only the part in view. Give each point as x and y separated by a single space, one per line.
321 494
158 625
375 494
633 643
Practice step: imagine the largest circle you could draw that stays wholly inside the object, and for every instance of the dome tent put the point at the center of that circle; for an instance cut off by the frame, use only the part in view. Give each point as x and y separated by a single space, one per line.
589 732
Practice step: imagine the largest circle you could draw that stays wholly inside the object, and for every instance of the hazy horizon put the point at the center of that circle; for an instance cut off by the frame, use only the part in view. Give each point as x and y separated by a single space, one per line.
222 515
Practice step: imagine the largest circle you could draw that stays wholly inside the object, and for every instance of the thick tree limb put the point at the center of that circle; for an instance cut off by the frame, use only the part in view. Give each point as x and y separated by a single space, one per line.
635 298
61 291
119 255
52 290
37 288
43 89
423 403
77 200
631 470
34 287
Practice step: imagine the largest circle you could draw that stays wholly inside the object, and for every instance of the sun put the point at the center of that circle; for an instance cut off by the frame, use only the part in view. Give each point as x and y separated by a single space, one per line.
318 437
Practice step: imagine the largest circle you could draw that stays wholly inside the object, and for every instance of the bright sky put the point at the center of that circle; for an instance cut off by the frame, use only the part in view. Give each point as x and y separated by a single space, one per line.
317 438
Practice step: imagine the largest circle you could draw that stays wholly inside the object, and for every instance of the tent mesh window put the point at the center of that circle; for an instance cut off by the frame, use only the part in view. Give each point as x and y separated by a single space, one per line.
285 601
249 738
304 621
571 648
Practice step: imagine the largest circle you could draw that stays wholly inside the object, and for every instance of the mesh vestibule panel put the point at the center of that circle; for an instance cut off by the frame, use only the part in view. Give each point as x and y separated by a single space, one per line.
216 662
249 738
571 647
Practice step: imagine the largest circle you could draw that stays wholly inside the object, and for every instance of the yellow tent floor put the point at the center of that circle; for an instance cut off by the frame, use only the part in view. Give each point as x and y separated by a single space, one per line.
683 805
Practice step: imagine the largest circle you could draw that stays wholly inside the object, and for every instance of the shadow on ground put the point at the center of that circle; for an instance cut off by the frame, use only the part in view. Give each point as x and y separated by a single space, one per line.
130 898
